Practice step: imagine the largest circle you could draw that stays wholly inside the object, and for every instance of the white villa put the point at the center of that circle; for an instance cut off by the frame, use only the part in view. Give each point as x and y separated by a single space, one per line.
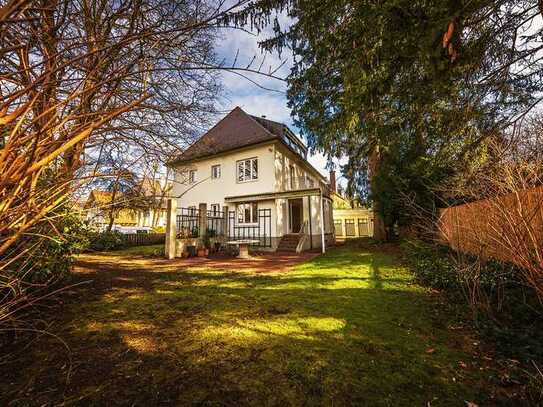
255 172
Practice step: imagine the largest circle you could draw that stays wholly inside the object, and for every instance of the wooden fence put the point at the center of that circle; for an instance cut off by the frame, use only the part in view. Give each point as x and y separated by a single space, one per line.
507 228
142 239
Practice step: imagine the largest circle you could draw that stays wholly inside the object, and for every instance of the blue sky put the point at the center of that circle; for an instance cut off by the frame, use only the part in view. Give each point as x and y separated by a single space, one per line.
239 91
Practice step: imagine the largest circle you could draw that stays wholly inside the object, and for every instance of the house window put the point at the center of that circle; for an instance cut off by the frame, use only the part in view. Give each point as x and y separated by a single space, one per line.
309 182
192 210
363 227
215 171
215 209
247 169
291 175
192 176
338 226
349 227
247 213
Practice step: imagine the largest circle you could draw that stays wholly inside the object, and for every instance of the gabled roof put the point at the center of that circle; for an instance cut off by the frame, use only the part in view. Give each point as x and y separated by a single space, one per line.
236 130
99 197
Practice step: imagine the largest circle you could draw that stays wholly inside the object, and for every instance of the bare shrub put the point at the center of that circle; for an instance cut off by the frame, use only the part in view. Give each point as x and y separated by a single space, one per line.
503 218
78 81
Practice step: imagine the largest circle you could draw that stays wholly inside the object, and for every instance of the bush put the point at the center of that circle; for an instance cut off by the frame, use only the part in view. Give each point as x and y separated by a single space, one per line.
52 257
105 241
432 266
39 262
503 307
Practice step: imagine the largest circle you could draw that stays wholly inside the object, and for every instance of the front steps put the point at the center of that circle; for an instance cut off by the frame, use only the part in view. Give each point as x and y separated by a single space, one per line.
289 242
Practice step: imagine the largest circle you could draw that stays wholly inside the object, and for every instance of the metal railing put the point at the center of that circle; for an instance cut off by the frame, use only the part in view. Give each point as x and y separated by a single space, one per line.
304 231
216 223
188 222
260 230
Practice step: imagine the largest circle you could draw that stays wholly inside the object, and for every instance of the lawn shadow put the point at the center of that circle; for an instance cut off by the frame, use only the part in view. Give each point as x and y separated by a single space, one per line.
375 275
148 333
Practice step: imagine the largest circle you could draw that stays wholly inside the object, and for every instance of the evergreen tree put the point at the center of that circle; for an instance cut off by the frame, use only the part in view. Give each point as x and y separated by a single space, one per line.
410 91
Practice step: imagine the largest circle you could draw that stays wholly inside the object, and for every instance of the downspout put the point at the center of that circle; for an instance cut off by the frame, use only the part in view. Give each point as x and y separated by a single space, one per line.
310 222
322 224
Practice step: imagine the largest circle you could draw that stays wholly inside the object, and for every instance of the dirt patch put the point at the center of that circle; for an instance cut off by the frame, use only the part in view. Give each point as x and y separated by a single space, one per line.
259 263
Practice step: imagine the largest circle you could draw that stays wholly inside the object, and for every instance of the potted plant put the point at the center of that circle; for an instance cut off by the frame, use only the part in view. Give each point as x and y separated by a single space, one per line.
191 251
207 240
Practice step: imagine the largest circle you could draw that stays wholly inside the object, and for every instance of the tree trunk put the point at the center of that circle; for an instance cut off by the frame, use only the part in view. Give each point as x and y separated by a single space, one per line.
111 220
374 163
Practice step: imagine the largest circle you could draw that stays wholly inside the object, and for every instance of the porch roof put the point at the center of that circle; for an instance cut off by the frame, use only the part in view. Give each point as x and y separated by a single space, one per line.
273 195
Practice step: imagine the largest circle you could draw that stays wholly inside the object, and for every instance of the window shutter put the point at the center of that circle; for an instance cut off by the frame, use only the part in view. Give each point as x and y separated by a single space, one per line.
240 171
255 168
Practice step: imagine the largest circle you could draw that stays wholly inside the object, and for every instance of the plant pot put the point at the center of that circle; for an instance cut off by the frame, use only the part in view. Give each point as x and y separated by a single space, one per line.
191 250
202 252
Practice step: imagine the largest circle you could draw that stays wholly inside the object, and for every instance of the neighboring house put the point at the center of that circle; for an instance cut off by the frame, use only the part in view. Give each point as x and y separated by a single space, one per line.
353 223
98 211
98 205
257 171
349 222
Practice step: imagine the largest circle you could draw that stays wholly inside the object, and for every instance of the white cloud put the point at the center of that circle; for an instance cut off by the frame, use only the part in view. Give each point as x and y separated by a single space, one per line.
241 92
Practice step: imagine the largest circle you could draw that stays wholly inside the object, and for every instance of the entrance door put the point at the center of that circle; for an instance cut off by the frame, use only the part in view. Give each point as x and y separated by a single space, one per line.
295 215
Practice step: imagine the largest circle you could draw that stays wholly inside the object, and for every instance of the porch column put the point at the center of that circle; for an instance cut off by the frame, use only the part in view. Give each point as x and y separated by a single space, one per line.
202 212
323 242
171 229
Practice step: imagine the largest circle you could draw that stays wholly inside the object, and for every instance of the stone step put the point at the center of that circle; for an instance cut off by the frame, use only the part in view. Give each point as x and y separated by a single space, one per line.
289 242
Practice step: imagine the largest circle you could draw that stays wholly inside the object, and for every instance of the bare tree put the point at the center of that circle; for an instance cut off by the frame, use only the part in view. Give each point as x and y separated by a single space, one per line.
78 80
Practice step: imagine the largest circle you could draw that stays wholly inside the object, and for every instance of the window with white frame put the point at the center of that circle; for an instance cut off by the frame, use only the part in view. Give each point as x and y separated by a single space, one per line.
215 171
215 209
192 176
309 181
247 212
292 174
247 169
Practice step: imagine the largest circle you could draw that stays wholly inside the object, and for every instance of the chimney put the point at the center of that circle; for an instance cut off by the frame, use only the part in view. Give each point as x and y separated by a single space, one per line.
333 181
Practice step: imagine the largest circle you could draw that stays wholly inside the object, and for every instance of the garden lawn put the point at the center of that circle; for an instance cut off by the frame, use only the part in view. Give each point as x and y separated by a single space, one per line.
348 327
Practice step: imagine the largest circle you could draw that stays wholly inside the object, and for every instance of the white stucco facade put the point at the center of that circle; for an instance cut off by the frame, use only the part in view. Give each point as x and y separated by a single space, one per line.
285 183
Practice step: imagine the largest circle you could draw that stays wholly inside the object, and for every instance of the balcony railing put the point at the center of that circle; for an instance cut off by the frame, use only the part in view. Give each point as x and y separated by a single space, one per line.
302 183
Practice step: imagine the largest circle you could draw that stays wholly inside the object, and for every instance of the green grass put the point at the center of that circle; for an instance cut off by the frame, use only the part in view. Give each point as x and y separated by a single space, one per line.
345 328
147 251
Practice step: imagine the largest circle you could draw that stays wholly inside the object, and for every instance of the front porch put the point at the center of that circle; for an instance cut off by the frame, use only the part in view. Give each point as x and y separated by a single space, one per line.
289 223
301 217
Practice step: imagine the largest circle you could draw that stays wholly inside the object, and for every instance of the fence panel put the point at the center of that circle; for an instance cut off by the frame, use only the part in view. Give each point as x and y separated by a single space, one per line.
188 222
216 223
507 228
142 239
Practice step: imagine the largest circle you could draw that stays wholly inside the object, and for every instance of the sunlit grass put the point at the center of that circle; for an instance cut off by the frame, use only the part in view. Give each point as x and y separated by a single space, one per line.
345 328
